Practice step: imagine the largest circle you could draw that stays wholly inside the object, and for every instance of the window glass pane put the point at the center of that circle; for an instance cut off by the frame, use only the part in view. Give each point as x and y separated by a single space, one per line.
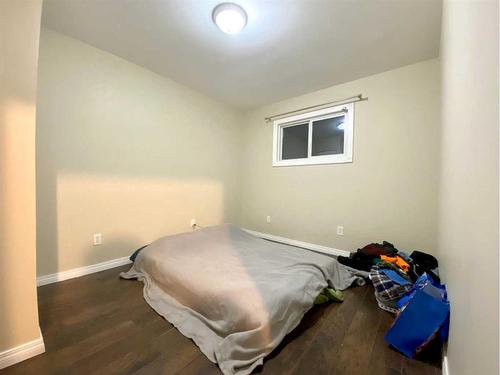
328 136
295 140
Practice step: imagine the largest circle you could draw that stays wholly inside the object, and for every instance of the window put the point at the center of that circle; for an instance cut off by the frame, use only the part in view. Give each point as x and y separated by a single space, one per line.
319 137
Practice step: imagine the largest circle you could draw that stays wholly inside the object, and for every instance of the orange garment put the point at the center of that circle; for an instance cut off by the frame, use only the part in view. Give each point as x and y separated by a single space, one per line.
398 261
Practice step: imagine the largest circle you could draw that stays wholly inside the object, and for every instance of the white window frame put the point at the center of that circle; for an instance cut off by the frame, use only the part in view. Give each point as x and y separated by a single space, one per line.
346 110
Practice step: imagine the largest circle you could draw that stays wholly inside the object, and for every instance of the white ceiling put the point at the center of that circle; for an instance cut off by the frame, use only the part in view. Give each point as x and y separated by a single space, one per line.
288 47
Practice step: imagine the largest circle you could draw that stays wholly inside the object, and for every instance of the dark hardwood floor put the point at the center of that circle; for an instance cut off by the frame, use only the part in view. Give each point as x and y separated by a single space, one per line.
100 324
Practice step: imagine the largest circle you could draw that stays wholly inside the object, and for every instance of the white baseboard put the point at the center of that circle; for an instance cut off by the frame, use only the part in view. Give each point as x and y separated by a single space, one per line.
76 272
22 352
305 245
446 369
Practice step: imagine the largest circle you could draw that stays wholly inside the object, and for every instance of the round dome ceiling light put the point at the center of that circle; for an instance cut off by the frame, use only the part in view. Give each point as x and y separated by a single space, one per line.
229 17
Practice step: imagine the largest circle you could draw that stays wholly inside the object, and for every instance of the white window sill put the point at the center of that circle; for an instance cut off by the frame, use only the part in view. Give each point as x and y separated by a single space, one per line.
294 162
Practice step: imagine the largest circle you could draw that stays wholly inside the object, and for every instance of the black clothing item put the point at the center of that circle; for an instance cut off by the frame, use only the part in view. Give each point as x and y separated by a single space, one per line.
376 249
424 262
363 258
134 255
358 261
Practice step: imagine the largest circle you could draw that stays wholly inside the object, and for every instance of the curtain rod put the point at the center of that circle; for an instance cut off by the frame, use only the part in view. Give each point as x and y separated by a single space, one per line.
352 99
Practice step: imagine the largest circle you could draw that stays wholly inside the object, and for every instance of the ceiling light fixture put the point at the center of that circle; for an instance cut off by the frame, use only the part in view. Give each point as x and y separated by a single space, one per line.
229 17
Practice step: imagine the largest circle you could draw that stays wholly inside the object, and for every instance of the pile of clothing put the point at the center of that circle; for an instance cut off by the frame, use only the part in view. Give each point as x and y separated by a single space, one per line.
392 272
408 286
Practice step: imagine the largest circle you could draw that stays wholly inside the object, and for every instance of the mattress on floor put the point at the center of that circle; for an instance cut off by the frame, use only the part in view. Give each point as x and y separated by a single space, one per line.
234 294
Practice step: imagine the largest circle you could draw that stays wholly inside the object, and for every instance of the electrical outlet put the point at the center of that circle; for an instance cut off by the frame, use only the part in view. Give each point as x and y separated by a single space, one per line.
340 230
193 223
97 239
268 219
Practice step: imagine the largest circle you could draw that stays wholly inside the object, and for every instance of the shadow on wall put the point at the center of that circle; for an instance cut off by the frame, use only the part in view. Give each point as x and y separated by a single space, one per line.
73 207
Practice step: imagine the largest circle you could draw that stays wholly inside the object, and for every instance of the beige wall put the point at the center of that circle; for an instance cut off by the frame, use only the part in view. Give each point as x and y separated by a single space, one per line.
19 36
389 192
126 153
468 220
